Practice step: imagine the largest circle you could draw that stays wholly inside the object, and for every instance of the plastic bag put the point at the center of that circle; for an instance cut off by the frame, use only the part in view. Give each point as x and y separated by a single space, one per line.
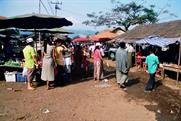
25 71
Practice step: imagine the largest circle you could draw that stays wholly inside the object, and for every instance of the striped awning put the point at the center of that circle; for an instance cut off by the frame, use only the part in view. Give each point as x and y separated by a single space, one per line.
157 41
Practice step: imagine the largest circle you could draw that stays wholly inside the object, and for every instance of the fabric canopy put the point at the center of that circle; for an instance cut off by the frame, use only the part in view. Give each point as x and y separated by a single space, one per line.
10 31
104 36
81 39
34 21
54 30
157 40
96 39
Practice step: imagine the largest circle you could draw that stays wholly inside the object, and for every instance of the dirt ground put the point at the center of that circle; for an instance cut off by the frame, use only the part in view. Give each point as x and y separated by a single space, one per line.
86 100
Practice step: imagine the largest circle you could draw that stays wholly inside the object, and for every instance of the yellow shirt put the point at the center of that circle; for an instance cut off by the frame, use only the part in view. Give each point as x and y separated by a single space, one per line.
28 53
59 55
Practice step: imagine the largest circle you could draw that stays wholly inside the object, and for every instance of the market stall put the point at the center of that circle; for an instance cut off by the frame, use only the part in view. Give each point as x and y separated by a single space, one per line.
27 21
169 47
171 67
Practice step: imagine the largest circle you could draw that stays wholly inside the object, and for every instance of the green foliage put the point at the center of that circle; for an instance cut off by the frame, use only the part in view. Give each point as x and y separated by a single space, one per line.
124 16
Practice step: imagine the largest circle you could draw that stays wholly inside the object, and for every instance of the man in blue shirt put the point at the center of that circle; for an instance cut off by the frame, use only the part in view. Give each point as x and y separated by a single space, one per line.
152 65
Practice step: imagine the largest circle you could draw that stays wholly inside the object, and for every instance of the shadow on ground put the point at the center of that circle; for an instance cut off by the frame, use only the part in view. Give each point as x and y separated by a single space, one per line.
79 77
164 101
132 82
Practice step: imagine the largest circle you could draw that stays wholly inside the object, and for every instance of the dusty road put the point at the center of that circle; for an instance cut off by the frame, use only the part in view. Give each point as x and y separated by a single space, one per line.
86 100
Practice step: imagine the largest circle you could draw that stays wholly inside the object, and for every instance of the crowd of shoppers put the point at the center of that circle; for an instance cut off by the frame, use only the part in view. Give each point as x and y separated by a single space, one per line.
60 59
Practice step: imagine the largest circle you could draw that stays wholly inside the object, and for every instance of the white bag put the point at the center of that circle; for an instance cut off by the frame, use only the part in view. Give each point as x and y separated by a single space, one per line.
25 71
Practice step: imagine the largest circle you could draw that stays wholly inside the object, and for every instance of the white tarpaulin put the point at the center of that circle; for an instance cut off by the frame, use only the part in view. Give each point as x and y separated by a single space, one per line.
158 41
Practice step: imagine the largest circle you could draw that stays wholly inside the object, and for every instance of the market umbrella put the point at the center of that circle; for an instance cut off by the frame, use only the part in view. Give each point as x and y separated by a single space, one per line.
10 31
96 39
104 36
3 17
34 21
53 30
81 39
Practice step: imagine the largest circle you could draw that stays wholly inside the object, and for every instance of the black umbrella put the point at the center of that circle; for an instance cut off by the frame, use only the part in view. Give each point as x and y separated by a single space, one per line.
9 31
34 21
53 30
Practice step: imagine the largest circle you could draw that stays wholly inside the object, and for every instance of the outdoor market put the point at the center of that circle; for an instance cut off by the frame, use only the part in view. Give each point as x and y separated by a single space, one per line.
115 74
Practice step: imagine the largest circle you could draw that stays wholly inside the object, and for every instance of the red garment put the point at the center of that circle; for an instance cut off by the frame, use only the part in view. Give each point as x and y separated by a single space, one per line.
138 58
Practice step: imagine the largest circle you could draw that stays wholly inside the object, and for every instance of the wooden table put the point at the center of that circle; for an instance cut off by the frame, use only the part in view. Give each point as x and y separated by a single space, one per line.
172 67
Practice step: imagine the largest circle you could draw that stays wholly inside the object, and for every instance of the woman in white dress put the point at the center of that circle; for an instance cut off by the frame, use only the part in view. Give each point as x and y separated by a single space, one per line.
48 63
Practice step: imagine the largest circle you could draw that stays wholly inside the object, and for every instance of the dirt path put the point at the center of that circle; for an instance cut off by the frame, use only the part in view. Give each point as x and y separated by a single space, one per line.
78 102
87 101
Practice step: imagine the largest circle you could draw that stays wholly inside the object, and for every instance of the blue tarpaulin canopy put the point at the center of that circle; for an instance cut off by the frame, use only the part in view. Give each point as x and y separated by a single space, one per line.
157 41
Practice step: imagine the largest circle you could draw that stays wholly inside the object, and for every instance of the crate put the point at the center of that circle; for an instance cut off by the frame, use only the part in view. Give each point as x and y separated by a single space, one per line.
20 77
10 76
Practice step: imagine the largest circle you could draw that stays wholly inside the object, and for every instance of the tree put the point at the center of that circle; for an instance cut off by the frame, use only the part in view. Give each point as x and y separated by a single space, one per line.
124 16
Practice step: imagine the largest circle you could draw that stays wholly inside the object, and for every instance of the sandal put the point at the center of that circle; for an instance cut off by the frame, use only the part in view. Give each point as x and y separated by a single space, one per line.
31 88
122 86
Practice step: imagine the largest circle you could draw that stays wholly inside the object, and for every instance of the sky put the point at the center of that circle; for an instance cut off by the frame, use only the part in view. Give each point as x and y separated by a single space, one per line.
76 10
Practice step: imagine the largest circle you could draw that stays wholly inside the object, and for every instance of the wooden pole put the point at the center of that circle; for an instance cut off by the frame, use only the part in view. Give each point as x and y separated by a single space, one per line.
179 60
39 32
135 53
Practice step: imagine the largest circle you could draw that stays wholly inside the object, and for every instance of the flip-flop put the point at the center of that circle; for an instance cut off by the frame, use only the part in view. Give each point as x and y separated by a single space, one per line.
125 89
31 88
122 86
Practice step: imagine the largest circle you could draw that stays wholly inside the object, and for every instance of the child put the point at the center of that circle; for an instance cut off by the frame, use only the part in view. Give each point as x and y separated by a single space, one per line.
25 70
138 60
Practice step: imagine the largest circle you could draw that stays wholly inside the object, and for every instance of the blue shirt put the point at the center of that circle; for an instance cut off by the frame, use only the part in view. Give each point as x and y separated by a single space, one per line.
152 63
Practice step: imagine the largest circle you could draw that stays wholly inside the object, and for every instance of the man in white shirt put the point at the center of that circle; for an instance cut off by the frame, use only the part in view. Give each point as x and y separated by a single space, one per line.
102 51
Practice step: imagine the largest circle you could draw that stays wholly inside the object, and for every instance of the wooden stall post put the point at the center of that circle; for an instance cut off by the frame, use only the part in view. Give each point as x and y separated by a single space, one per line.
135 53
179 60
